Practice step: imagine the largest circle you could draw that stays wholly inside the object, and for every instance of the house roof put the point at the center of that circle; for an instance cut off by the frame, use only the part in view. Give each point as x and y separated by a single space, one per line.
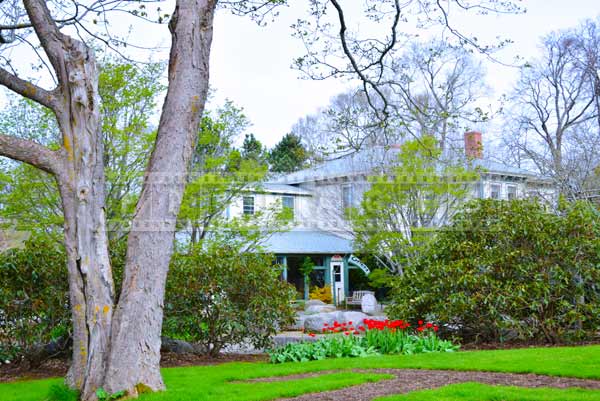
368 161
362 162
307 241
276 188
491 166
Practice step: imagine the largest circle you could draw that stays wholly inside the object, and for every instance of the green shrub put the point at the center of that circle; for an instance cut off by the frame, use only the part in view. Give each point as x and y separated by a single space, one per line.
219 296
509 270
34 303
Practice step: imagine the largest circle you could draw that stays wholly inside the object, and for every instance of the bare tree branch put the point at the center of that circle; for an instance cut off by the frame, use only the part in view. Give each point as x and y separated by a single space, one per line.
27 89
31 153
48 34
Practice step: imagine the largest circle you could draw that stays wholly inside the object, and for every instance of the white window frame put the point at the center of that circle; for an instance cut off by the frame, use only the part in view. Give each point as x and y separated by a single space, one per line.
508 189
293 206
246 209
499 186
350 189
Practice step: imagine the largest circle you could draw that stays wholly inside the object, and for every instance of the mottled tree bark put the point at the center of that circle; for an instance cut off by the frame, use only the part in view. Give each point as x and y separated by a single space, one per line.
78 169
82 185
121 350
135 349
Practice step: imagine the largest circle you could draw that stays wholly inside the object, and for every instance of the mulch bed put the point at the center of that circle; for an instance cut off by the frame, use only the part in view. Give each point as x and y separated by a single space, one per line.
407 380
55 367
58 367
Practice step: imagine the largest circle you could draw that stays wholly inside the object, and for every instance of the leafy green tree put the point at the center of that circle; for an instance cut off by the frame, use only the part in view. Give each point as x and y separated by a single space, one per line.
509 270
288 155
220 173
129 93
30 197
253 149
408 203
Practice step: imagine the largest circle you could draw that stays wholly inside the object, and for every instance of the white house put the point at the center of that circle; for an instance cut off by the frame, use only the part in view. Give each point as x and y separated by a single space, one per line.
320 195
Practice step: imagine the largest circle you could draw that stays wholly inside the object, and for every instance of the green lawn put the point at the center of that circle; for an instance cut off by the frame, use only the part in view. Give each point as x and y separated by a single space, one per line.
221 382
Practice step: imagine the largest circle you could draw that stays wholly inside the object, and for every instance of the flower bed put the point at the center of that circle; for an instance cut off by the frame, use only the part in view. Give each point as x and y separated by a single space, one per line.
372 337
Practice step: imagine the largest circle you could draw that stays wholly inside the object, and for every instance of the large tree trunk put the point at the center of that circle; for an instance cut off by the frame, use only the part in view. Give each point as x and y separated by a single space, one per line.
121 350
136 335
81 184
79 171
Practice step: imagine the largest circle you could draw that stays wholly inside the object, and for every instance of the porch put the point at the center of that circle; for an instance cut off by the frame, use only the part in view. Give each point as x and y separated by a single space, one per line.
334 264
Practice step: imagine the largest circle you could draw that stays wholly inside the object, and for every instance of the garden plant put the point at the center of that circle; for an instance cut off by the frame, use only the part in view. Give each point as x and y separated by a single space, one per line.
371 337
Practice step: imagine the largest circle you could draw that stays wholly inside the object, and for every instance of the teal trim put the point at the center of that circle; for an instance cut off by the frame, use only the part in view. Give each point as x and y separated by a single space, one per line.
346 277
285 269
327 262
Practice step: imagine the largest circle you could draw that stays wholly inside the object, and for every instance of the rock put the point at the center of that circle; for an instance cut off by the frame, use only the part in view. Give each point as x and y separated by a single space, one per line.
298 323
368 304
315 323
176 346
356 318
290 338
40 352
312 302
320 309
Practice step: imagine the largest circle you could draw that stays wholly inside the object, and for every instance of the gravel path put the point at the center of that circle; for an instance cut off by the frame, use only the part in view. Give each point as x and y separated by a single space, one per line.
407 380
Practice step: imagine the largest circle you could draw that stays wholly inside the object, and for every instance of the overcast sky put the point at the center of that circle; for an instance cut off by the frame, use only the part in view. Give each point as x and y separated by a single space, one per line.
251 65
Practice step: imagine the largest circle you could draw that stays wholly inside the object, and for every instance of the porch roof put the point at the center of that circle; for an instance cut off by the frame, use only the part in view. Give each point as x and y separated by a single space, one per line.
307 241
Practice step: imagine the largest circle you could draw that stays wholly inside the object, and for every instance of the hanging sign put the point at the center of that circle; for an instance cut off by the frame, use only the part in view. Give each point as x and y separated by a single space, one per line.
353 260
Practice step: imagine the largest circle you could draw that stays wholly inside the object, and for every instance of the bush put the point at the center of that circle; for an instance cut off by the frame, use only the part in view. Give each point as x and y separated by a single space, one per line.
34 302
371 338
219 296
509 271
321 293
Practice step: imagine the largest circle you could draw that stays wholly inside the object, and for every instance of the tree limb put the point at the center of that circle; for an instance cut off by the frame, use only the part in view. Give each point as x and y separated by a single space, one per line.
48 33
27 89
31 153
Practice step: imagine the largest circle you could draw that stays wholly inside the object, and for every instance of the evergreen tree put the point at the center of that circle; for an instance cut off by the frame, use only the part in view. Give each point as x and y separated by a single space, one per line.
253 149
288 155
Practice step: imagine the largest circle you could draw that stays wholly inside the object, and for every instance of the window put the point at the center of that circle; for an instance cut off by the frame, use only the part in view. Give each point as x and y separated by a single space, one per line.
288 203
346 196
495 192
479 190
511 192
248 204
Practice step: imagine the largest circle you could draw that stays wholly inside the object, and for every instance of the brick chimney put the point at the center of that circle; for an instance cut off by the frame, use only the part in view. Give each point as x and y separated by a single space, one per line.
473 145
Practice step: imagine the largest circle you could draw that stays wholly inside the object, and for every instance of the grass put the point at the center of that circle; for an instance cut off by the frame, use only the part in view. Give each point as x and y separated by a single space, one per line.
221 382
483 392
